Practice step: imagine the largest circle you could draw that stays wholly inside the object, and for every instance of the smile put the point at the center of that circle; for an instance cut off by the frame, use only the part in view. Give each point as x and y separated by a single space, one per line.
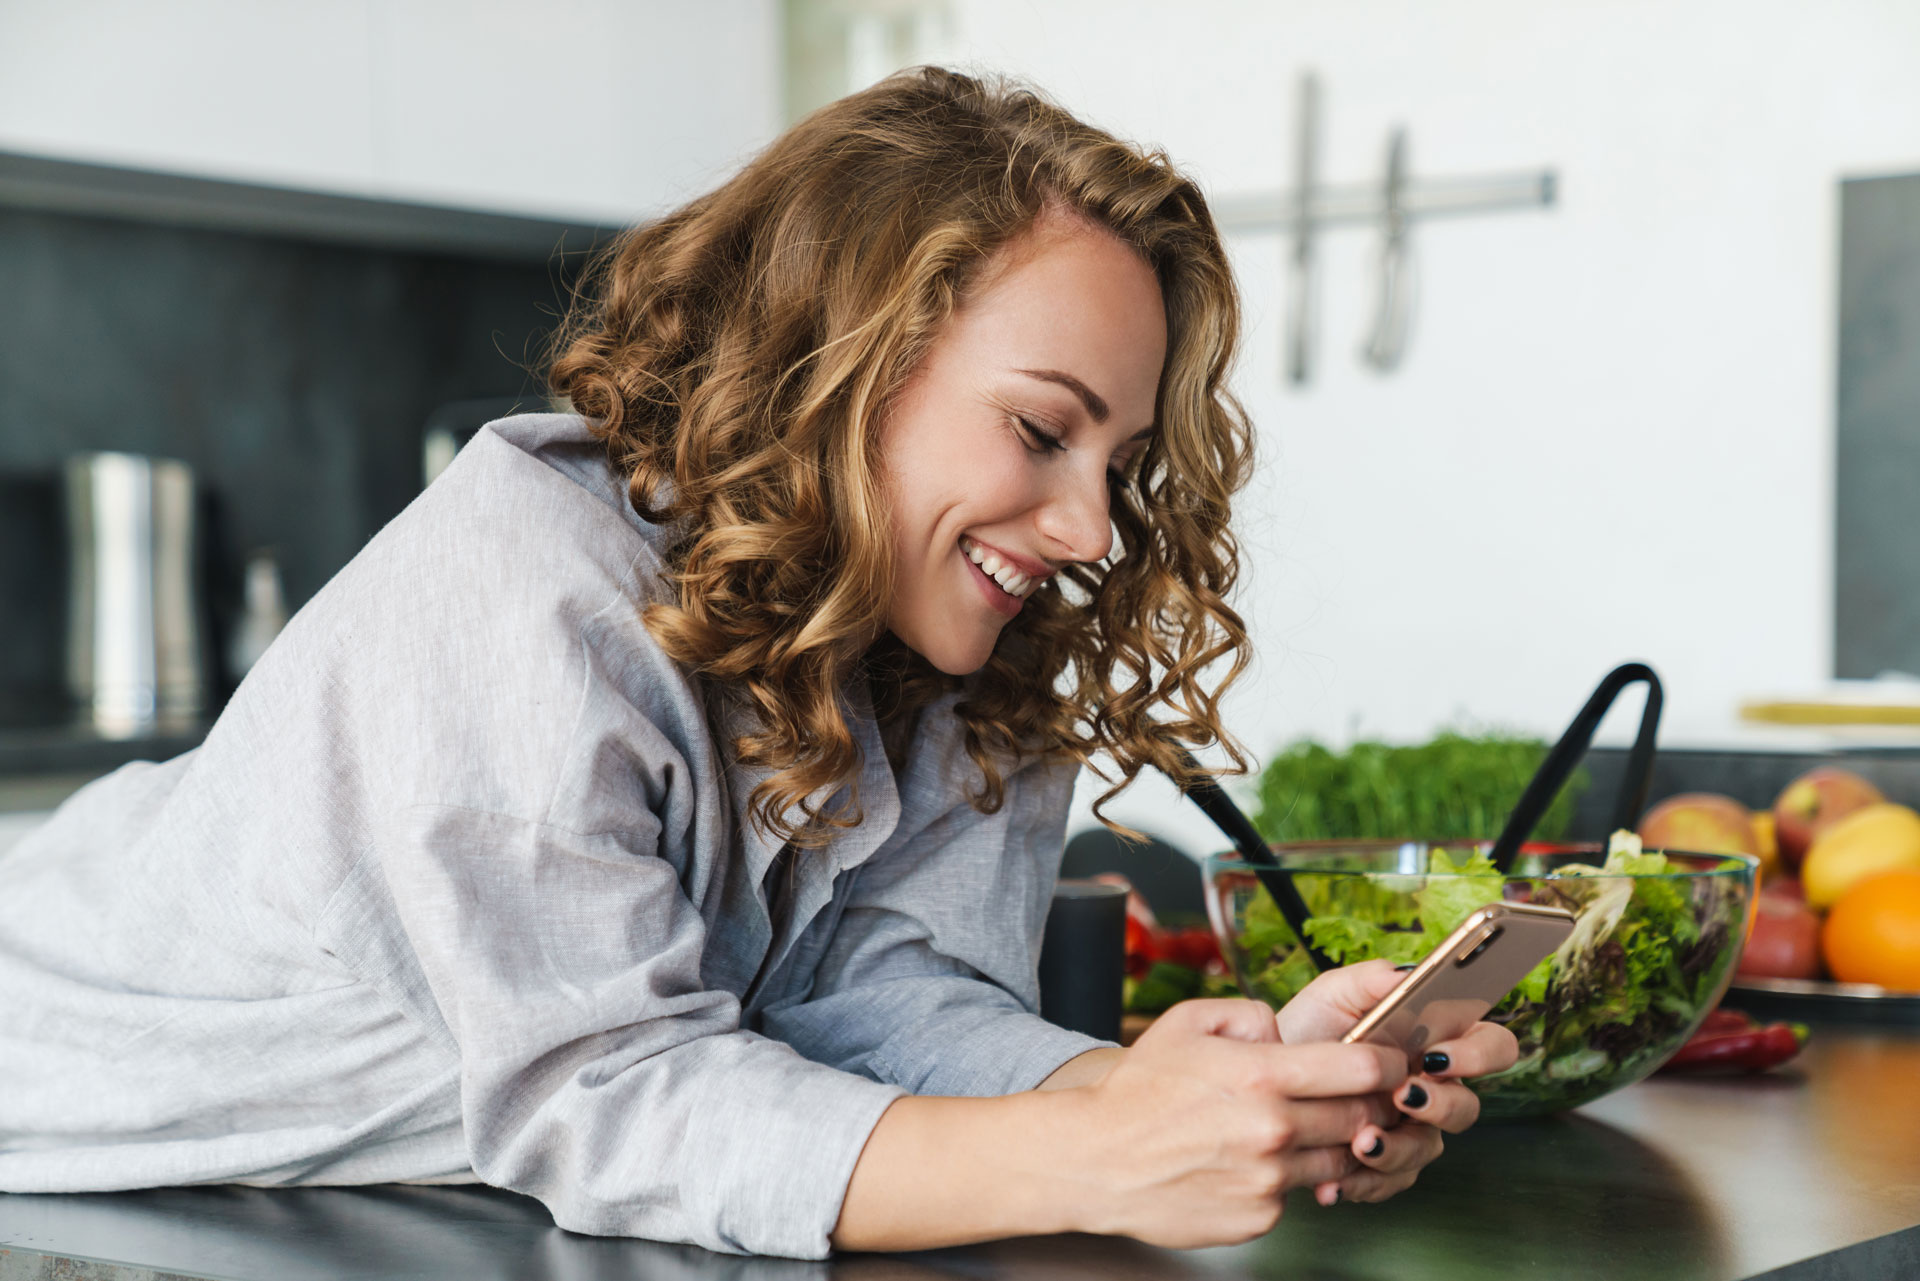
1003 579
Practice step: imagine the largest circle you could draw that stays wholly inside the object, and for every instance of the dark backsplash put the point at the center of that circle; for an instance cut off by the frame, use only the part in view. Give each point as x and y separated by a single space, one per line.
1876 522
293 377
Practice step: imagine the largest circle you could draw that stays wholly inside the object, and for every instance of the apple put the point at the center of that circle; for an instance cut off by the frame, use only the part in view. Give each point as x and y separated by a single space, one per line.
1786 887
1765 845
1879 838
1814 802
1701 823
1784 942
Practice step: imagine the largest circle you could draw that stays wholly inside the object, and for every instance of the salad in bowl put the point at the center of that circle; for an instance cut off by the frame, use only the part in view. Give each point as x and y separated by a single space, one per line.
1656 938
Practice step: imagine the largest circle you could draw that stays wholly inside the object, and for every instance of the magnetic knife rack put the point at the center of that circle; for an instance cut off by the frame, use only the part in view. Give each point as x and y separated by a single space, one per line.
1393 204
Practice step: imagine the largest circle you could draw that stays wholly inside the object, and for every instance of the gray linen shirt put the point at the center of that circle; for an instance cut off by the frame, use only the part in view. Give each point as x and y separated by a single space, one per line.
461 887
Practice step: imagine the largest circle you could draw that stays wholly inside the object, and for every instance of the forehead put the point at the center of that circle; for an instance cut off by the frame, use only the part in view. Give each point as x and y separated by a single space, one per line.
1073 297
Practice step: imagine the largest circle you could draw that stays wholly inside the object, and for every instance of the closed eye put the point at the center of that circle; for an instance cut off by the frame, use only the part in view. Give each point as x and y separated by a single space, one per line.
1045 442
1041 441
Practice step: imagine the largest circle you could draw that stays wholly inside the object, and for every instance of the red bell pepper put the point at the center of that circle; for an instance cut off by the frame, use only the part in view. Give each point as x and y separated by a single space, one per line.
1142 948
1731 1042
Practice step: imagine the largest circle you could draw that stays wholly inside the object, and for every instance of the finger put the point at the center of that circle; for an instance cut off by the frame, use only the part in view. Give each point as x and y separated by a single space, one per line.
1313 1123
1447 1105
1486 1047
1312 1167
1325 1008
1397 1150
1321 1070
1372 1185
1235 1020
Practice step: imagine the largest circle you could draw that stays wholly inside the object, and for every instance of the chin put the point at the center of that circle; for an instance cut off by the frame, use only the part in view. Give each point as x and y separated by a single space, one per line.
949 654
955 661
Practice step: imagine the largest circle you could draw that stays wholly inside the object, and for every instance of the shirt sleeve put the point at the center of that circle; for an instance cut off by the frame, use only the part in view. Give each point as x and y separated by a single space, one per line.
931 979
597 1073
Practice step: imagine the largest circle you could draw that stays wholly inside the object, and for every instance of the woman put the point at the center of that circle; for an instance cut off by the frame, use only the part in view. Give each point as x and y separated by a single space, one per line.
659 816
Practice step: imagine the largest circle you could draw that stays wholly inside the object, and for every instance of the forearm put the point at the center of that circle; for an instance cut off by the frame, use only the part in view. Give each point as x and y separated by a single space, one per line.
951 1171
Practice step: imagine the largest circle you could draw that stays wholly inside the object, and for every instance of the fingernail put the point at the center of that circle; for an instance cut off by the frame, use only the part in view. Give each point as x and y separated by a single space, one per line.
1336 1197
1379 1146
1416 1097
1436 1062
1408 968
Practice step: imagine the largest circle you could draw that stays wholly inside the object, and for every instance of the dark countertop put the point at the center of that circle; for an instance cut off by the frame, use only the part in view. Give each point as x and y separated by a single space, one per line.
1809 1172
39 751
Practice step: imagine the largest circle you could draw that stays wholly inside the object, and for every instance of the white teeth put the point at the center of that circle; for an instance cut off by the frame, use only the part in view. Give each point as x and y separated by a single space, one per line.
1011 580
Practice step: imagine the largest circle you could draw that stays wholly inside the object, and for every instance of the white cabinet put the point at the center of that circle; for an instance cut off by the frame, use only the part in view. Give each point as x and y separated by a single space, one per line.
595 110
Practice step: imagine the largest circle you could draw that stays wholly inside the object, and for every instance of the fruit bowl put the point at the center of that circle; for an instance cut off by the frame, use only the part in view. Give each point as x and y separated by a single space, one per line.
1655 944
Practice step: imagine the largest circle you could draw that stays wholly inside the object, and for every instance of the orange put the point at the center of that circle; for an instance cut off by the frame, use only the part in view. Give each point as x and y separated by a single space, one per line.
1872 935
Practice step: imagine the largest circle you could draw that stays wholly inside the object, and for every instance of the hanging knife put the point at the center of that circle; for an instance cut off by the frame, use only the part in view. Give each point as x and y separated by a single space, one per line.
1300 267
1393 308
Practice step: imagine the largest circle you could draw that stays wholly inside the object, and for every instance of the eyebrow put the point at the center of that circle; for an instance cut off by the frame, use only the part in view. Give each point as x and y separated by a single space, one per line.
1088 397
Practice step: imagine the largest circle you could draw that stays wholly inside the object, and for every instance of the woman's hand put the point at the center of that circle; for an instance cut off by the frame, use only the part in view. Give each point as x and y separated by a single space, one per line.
1392 1155
1326 1008
1208 1120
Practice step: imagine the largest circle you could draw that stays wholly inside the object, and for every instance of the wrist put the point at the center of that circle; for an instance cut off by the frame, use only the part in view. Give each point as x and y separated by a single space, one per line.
951 1171
1071 1175
1089 1068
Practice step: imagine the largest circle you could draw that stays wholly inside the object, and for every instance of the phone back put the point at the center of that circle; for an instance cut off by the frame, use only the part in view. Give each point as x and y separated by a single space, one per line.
1465 976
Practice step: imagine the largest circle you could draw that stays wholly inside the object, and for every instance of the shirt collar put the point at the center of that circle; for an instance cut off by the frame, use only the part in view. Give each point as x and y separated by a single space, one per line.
879 797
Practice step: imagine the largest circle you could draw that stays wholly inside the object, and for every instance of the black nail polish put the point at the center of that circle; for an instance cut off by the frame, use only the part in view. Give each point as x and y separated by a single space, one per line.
1408 968
1416 1097
1336 1197
1379 1146
1436 1062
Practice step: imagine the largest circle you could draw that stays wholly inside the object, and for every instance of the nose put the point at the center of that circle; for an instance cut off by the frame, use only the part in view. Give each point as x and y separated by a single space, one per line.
1075 518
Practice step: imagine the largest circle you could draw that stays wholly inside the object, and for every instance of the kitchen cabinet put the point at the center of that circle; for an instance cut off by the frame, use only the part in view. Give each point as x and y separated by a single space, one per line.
598 110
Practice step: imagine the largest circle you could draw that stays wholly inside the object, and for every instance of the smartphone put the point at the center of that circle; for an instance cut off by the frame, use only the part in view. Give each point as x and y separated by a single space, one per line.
1464 977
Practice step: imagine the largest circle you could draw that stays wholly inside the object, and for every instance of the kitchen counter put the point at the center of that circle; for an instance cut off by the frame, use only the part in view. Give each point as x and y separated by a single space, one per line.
1808 1172
27 752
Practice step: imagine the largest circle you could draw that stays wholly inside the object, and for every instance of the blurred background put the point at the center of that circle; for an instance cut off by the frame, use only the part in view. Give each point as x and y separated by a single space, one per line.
1576 333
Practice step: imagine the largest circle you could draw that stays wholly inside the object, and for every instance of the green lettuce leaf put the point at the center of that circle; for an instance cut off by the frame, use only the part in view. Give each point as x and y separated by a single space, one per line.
1465 886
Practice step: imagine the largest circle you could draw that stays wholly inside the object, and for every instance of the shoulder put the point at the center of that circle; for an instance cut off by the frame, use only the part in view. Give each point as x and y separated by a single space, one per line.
497 624
537 484
528 531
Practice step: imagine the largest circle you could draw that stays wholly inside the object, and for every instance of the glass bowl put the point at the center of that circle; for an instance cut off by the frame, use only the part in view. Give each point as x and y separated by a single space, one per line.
1654 948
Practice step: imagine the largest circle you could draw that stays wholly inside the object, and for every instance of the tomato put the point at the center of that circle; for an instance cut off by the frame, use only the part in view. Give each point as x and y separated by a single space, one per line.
1194 947
1142 948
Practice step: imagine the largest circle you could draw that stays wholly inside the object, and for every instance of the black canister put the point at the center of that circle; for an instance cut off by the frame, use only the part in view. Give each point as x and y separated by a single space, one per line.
1083 958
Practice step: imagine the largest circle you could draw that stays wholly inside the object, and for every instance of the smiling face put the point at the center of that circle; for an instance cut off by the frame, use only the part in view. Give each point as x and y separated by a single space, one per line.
999 452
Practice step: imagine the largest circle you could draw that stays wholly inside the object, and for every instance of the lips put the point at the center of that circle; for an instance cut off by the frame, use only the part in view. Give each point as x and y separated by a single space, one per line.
996 596
1015 577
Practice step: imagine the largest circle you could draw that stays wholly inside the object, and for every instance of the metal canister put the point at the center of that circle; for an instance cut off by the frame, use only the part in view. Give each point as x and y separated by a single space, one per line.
135 660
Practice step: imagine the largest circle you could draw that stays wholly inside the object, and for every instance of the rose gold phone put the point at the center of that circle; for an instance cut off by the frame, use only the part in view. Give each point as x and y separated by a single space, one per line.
1464 977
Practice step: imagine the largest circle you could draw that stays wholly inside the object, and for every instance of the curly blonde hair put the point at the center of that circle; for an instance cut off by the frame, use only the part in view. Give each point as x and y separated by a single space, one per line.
738 357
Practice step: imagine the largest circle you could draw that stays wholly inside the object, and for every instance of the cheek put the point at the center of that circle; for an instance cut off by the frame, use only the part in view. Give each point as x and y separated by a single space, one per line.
970 480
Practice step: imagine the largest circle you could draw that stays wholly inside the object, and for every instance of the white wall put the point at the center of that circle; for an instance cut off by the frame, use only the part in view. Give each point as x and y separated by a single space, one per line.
1613 434
604 109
